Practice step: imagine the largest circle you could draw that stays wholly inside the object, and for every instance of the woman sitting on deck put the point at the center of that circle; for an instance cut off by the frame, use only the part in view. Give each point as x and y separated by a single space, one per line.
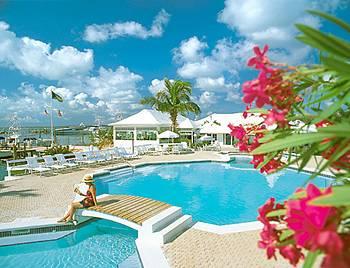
88 201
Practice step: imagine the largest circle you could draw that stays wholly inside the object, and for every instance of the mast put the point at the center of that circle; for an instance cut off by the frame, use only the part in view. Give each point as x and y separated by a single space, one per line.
51 121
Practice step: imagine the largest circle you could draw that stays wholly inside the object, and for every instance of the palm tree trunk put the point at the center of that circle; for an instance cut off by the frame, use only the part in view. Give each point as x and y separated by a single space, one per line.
173 118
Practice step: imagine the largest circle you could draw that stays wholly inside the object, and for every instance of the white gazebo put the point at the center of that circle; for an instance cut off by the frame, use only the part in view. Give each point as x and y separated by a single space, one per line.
145 126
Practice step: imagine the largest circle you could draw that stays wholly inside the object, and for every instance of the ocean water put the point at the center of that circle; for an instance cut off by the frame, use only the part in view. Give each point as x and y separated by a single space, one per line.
219 193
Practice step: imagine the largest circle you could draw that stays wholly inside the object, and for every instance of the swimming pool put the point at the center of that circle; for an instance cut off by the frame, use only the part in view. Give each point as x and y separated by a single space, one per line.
98 244
212 192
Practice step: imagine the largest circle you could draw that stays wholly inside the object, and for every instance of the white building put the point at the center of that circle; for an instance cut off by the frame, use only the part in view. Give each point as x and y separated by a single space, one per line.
145 126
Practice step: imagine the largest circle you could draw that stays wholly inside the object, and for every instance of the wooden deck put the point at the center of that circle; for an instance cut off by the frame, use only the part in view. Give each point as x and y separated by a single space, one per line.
132 208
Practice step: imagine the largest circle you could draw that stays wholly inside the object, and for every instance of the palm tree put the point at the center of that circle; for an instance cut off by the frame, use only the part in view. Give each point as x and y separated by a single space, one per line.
174 99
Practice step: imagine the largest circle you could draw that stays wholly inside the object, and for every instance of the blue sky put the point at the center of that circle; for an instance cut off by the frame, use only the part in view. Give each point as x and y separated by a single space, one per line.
103 56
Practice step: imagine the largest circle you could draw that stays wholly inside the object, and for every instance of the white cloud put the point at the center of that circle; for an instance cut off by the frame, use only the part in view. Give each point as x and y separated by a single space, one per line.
215 72
86 97
215 84
157 85
100 33
226 56
117 89
272 22
190 50
208 98
37 58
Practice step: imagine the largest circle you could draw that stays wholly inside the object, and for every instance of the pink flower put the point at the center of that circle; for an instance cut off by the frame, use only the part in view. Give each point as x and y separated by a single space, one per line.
341 260
260 60
255 90
269 239
292 254
237 131
274 117
313 225
257 159
265 209
245 114
272 166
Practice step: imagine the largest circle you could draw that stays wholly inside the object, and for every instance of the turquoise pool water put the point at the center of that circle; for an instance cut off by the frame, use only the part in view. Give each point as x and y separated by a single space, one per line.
98 244
219 193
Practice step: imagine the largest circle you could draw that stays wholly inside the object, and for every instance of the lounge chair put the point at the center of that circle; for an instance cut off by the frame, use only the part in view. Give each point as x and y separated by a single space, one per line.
64 162
111 155
33 165
124 154
50 163
186 148
80 159
96 156
165 149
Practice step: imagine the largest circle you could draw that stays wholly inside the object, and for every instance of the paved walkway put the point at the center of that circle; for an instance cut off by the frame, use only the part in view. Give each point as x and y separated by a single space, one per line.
48 197
195 249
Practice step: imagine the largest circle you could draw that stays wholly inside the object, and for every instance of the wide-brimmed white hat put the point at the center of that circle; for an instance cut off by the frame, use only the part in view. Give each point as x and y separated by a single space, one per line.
88 178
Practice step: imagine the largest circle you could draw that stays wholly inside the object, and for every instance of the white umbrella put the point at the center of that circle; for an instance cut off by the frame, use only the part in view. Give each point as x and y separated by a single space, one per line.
168 135
205 138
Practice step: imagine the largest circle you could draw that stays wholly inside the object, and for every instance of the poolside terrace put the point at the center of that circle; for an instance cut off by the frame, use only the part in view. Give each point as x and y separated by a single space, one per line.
48 197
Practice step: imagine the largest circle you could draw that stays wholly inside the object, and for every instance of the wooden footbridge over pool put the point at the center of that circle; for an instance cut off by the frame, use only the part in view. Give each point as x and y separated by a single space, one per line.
126 209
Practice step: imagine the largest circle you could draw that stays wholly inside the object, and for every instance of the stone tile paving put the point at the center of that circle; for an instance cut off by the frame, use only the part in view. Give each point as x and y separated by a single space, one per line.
197 249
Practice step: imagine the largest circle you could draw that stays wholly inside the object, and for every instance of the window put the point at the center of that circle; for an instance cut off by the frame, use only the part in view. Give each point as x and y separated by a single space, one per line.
124 134
147 135
228 139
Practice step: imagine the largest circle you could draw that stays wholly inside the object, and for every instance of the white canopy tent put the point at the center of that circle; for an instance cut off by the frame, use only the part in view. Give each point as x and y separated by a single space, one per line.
168 135
206 138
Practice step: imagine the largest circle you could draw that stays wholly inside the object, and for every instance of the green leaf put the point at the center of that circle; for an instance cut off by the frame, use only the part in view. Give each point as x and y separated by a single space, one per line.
339 197
286 242
258 110
276 213
307 156
286 234
298 195
331 109
311 258
291 141
339 130
325 42
335 20
338 65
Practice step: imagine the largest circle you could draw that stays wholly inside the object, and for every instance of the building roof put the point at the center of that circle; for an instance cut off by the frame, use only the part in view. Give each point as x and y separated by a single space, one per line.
212 124
218 123
150 118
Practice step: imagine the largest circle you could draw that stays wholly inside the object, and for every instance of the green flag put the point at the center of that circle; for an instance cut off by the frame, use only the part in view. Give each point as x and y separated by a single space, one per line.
56 96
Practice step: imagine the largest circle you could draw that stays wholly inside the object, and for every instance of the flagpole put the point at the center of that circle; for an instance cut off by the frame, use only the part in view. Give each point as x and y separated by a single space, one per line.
51 119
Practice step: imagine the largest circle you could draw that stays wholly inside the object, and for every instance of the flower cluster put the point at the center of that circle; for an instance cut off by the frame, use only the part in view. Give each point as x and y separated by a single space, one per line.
270 236
270 88
248 140
296 226
313 228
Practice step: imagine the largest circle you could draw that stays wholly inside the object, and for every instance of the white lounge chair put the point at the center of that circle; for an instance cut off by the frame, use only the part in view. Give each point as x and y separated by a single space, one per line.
124 154
111 156
165 149
50 163
33 165
97 156
64 162
185 147
80 159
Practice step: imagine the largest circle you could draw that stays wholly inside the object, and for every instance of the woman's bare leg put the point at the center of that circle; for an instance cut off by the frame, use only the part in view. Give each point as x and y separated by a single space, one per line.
73 207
